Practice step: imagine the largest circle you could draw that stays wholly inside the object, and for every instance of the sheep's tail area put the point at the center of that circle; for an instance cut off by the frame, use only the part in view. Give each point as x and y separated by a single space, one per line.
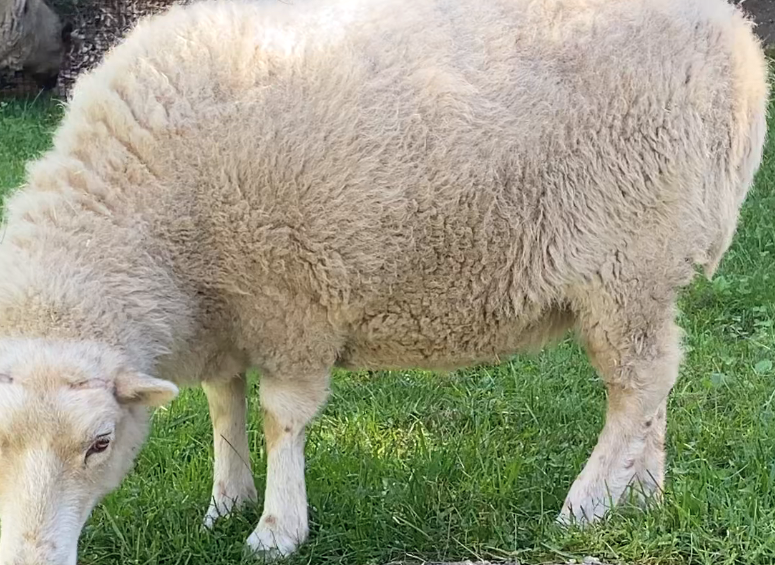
749 74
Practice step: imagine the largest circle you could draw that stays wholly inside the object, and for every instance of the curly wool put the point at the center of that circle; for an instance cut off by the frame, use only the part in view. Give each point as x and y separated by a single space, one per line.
384 183
373 184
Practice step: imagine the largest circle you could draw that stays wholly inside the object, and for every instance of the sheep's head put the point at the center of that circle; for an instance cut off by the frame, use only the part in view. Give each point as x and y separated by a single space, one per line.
72 419
33 39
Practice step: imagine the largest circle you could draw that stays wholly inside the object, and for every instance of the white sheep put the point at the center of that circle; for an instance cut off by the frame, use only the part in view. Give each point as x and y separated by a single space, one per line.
361 183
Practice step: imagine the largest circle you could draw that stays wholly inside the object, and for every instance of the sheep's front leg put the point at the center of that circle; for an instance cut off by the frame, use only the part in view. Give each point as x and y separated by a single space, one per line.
233 483
288 405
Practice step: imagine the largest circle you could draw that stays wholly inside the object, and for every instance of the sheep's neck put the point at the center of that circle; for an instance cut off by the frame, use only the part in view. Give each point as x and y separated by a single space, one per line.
62 287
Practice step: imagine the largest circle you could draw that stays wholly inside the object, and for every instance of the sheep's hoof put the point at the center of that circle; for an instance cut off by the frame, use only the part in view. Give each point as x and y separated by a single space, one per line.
214 513
591 508
223 505
583 514
270 541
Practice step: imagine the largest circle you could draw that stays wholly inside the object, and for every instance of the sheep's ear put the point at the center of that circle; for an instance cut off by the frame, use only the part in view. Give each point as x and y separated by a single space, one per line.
137 388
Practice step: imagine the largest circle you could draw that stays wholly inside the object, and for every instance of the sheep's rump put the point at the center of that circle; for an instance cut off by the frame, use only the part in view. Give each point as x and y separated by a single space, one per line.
429 176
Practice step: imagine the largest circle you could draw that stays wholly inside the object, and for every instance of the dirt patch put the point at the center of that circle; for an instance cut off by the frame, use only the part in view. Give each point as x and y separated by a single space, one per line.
763 13
97 26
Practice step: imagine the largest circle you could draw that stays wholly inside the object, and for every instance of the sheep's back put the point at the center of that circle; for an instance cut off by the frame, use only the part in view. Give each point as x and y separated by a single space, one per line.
463 153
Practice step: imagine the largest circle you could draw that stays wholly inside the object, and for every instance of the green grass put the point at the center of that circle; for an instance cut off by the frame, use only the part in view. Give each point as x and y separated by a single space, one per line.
25 131
476 464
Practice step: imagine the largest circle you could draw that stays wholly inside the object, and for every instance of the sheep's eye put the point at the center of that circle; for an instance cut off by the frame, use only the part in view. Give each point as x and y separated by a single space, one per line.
99 445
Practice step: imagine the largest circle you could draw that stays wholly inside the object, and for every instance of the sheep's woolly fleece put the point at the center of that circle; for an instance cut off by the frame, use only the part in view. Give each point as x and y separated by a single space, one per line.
428 184
370 184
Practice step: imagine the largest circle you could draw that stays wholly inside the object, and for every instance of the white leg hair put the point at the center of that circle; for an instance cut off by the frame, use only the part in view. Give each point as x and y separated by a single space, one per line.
639 363
628 459
233 483
288 405
648 470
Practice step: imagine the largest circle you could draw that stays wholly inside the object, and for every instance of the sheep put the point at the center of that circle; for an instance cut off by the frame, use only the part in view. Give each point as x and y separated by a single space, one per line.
371 184
33 39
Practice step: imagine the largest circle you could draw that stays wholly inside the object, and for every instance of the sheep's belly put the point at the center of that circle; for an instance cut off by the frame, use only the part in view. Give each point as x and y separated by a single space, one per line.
405 343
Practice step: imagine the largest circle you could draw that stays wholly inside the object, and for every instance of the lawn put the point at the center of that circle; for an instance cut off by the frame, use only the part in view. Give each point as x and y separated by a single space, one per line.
475 464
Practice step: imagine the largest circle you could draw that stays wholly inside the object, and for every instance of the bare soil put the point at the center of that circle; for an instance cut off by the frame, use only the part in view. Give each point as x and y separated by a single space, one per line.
763 13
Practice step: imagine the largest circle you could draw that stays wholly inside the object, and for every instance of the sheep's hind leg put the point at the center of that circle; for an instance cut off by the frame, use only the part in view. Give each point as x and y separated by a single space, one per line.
288 405
233 483
635 345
